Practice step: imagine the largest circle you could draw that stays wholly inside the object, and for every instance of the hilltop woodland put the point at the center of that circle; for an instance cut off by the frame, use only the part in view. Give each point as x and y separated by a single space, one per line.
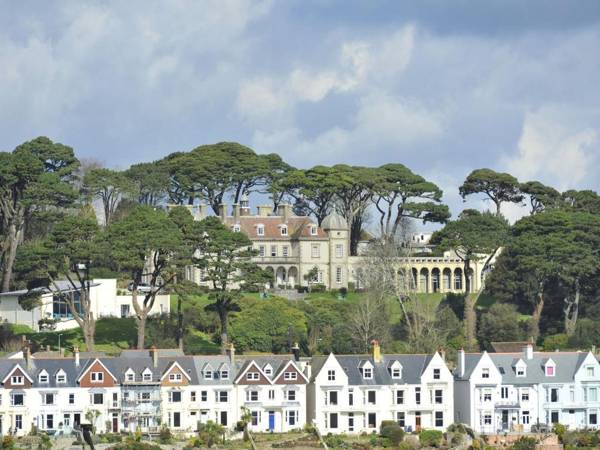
66 219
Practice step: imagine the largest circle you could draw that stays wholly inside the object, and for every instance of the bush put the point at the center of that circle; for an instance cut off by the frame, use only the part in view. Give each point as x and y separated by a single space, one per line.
392 431
318 288
556 341
165 436
524 443
559 429
431 438
461 428
351 286
343 291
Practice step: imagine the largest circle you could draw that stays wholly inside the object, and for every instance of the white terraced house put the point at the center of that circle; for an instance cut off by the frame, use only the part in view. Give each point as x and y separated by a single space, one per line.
498 392
355 393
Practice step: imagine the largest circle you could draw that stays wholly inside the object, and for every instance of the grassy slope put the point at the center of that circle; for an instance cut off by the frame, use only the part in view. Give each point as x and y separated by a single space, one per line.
115 334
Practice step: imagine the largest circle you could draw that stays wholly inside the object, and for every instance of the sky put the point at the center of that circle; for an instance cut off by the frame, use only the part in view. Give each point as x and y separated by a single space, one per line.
442 87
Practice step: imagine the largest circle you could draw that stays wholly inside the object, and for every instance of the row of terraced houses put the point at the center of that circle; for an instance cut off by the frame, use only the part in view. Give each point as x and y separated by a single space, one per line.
147 389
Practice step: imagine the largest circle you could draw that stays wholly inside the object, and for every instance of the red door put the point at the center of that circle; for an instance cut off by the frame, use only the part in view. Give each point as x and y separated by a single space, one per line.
115 424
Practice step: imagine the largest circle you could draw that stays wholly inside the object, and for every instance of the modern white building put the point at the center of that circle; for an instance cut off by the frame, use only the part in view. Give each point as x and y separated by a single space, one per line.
107 301
355 393
499 392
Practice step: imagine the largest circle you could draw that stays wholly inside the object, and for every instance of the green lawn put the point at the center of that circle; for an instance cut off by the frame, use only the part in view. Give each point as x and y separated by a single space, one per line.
112 336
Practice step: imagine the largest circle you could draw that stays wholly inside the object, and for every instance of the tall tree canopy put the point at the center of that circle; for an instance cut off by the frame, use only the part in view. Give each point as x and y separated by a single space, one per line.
496 186
146 246
540 196
151 181
473 236
224 256
399 193
110 187
35 178
66 254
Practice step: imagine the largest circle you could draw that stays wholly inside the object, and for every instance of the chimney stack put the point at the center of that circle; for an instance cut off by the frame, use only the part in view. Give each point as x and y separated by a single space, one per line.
76 356
201 212
528 351
223 212
264 210
461 362
296 351
230 351
244 205
376 351
27 355
154 355
285 211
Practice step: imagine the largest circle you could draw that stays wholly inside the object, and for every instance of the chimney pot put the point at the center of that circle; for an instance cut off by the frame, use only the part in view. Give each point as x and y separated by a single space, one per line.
296 351
376 351
223 212
461 362
231 353
76 355
154 355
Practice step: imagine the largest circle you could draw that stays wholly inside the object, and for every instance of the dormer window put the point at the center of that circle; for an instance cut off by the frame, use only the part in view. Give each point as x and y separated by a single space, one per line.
260 230
208 374
485 373
284 230
252 376
313 230
367 373
61 377
224 374
16 380
268 370
395 370
147 375
43 377
130 375
520 368
520 371
550 368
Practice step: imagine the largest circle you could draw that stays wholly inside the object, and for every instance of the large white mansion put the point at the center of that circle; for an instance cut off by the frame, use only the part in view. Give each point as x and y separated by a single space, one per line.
291 246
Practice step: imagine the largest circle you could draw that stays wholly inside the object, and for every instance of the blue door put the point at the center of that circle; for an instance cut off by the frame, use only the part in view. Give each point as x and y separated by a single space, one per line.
271 420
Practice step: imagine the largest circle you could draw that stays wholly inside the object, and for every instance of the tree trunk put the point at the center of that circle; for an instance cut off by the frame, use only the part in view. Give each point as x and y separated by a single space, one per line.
470 318
141 332
179 323
224 338
537 315
571 311
15 231
88 335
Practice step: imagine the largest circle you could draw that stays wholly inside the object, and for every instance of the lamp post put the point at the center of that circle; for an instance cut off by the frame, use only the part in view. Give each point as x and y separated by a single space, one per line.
59 335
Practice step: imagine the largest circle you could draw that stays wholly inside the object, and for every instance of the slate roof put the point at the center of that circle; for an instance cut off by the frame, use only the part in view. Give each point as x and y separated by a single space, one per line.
412 368
298 227
567 364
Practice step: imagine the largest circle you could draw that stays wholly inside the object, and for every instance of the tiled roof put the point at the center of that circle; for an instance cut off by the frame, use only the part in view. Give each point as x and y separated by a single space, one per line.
298 227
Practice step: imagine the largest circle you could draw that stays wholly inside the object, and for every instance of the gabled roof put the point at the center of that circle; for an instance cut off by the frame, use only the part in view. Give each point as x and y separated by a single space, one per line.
171 366
284 367
246 367
91 364
23 371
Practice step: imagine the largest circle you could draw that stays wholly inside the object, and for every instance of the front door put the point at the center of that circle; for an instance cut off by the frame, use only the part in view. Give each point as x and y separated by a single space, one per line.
504 419
115 423
76 419
271 420
418 421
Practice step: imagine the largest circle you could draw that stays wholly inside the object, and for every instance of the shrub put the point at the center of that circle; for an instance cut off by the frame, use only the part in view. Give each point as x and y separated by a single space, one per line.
431 438
559 429
318 288
392 431
556 341
165 436
524 443
343 291
351 286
